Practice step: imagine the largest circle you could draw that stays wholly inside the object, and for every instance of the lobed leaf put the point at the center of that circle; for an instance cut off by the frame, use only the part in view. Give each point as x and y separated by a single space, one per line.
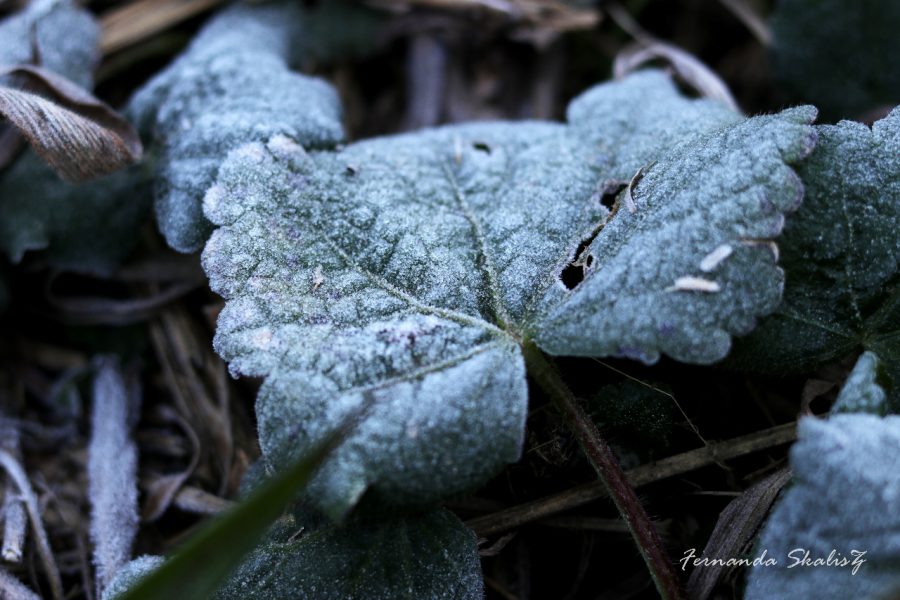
844 503
842 256
430 555
234 85
408 270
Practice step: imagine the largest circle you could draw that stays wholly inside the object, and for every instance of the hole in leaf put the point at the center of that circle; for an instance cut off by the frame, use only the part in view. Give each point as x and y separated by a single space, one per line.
574 272
609 192
482 147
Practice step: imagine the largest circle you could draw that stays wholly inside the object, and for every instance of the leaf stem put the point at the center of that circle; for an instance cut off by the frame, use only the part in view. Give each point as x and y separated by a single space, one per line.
604 462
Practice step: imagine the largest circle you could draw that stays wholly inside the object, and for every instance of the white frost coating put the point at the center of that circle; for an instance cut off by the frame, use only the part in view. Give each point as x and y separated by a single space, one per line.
845 497
112 473
410 276
427 556
842 256
130 574
715 258
622 306
233 85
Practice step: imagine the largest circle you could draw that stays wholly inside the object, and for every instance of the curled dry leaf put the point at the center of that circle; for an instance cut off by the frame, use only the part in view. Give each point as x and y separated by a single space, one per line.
687 67
77 134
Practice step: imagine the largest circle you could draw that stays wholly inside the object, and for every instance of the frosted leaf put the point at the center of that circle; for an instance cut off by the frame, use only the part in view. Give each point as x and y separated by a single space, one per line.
644 291
431 556
88 227
842 56
630 120
64 35
845 499
233 85
130 574
409 270
861 392
841 253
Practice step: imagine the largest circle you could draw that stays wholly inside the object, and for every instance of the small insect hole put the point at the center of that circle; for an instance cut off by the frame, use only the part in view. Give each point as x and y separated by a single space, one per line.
482 147
574 272
609 194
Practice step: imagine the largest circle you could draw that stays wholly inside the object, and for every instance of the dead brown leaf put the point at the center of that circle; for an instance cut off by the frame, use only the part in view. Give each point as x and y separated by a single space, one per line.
77 134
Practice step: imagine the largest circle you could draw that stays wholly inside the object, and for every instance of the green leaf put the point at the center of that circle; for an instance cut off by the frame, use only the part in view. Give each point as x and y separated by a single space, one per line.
840 55
206 559
410 269
430 555
845 499
89 228
235 85
841 254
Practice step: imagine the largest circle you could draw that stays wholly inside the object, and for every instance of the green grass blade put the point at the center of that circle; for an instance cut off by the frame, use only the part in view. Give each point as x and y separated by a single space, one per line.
205 560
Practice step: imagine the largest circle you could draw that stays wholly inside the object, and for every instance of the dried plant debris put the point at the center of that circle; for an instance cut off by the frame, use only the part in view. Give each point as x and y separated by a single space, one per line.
414 276
44 96
841 256
842 510
234 85
843 56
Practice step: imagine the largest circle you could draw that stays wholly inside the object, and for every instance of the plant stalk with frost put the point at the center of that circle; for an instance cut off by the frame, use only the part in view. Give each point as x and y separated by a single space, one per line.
112 472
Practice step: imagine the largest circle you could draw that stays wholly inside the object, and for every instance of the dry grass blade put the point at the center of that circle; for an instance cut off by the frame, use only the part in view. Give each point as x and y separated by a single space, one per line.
163 490
735 530
550 14
17 474
127 25
14 527
714 453
687 67
78 135
13 589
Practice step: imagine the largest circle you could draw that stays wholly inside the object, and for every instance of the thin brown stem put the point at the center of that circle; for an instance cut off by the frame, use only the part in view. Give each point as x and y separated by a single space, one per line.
673 466
611 474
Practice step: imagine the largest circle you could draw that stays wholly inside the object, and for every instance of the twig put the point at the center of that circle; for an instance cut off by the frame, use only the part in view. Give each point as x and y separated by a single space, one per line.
14 527
605 463
17 474
13 589
14 519
112 474
195 500
673 466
